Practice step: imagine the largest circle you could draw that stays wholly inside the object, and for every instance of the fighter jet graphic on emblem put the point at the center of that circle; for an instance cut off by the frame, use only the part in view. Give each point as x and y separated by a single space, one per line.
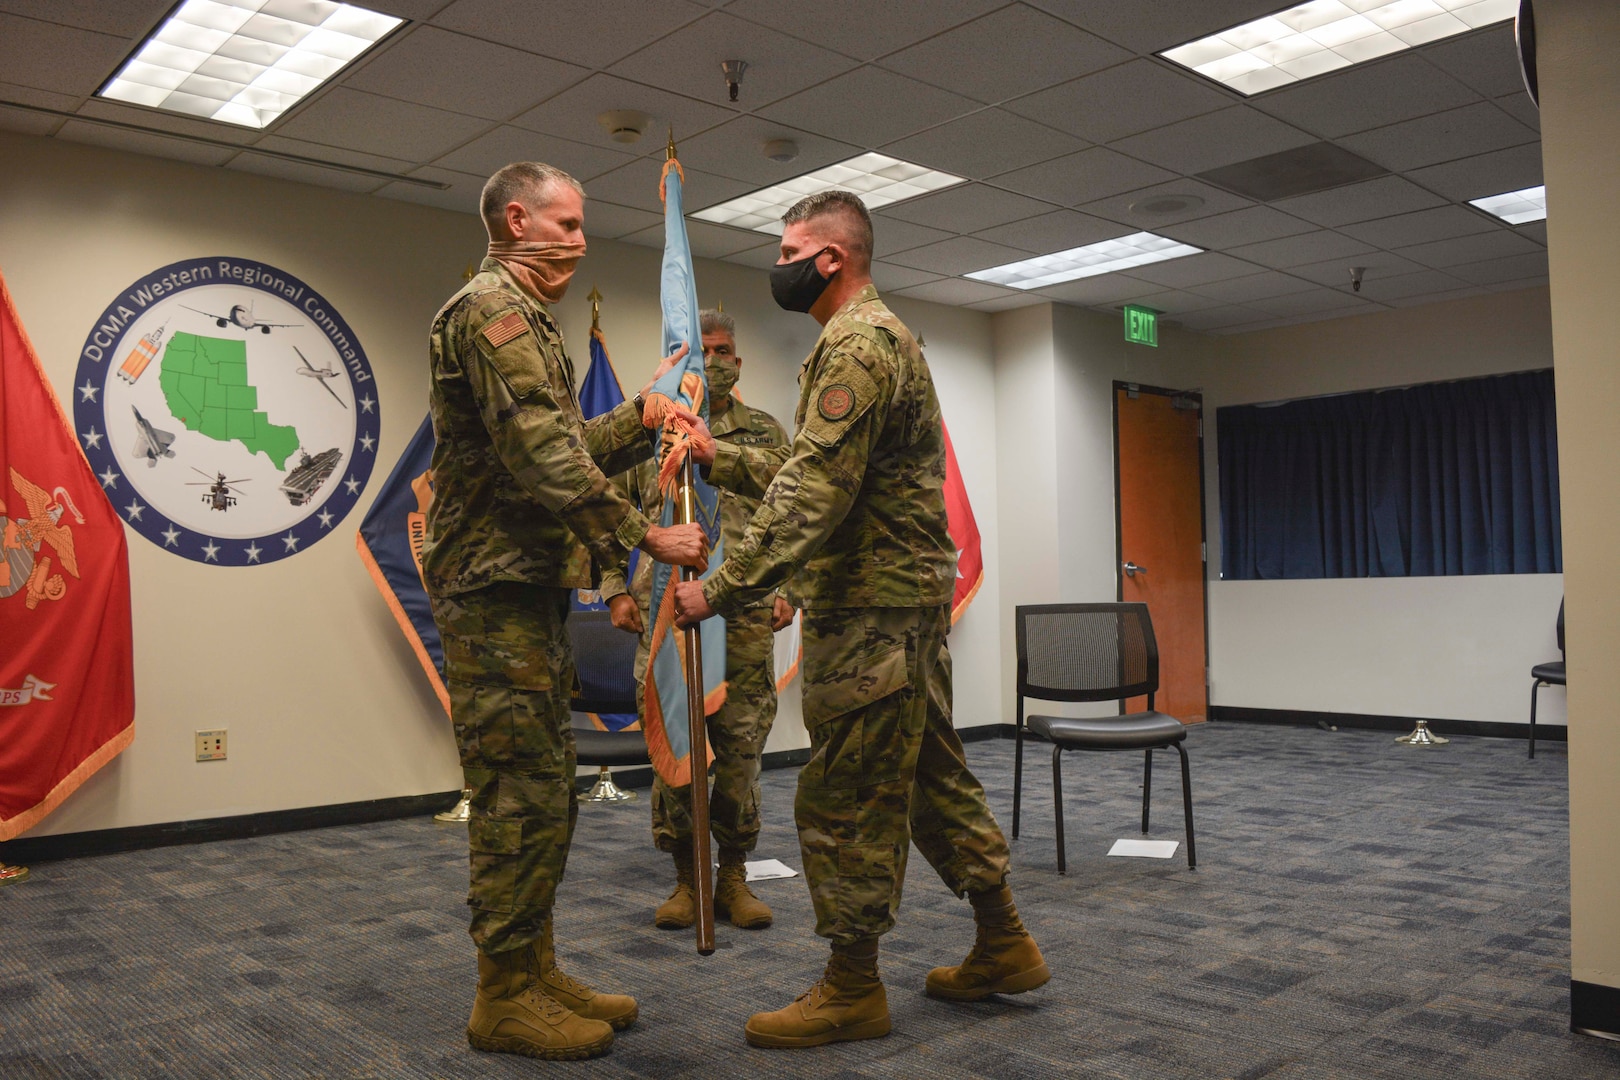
23 568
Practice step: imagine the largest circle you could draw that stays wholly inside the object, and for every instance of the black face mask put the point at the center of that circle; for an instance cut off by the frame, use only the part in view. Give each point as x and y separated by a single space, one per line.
797 285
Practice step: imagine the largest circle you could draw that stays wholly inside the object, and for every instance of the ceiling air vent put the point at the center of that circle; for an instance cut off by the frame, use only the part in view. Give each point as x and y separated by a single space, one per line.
1300 171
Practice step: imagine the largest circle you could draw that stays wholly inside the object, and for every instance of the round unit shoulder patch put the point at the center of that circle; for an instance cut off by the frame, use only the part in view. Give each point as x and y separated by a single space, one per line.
836 401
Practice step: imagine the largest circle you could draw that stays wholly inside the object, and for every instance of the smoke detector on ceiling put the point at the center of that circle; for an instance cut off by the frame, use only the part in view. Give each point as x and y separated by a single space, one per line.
781 150
624 125
1164 205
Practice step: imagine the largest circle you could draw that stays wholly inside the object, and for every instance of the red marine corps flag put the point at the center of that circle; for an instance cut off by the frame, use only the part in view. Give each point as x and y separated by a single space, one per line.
964 534
67 695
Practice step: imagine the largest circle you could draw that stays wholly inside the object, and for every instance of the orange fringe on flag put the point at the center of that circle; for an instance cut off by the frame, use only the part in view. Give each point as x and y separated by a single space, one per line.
680 436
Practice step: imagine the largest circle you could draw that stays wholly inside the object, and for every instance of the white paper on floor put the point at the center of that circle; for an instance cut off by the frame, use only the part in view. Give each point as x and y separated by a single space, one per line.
766 869
1145 849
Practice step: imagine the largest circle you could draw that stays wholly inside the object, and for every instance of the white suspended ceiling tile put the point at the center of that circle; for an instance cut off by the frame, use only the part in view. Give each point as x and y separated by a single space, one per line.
1359 202
1446 136
1147 26
891 277
1007 303
1219 318
1242 290
958 255
1399 88
954 291
636 184
1300 250
1249 225
380 125
1498 244
1404 230
611 220
890 235
46 99
1496 271
1123 100
1424 299
983 144
869 107
707 241
130 19
1493 173
860 28
1005 54
1533 230
1080 179
136 142
1194 270
1089 292
736 149
504 145
463 74
1487 60
1143 208
760 258
1316 301
27 123
282 169
1521 108
966 208
572 114
162 121
1376 266
461 196
47 56
1235 134
1056 231
688 62
591 34
282 144
1400 286
1172 301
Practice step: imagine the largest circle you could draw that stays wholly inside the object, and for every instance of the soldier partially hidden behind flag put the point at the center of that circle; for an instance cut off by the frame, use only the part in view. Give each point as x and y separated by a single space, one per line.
853 523
738 731
521 508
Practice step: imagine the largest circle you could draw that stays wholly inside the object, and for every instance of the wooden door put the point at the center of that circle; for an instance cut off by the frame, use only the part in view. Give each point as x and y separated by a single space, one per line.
1158 455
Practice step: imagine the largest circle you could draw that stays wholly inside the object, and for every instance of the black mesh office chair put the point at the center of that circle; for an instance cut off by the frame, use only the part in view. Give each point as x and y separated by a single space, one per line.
1549 674
603 658
1094 652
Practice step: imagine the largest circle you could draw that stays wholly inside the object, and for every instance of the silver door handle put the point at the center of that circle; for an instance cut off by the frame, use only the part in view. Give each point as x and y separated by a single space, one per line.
1131 569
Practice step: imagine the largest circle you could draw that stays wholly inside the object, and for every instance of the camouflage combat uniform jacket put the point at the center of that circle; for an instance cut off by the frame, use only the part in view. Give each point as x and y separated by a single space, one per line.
517 495
852 513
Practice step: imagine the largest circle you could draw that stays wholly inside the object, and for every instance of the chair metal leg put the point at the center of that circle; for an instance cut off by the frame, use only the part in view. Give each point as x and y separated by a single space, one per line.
1057 801
1018 766
1535 688
1147 785
1186 802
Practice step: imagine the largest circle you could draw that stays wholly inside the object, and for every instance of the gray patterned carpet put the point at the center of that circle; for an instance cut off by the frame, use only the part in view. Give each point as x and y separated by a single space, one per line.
1361 910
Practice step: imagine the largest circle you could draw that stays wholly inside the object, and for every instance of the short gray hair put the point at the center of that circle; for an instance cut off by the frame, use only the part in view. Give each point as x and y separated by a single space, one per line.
847 206
524 182
713 321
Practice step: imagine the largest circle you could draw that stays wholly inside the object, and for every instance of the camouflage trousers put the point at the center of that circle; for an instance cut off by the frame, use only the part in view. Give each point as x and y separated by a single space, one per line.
509 667
737 736
887 770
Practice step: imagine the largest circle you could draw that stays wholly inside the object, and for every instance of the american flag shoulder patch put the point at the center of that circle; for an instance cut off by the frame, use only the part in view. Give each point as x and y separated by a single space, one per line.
506 328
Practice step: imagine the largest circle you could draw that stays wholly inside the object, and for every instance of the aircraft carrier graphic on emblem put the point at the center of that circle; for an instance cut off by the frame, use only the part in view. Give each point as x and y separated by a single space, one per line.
309 474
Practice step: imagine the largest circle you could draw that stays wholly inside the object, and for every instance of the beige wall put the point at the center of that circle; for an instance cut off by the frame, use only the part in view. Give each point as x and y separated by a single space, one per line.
299 659
1580 121
1446 647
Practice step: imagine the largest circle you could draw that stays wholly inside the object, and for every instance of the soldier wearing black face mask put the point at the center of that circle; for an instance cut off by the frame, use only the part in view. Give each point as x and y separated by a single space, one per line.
852 521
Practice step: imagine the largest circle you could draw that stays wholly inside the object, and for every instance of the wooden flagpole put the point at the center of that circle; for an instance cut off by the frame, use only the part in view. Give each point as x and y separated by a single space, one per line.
697 757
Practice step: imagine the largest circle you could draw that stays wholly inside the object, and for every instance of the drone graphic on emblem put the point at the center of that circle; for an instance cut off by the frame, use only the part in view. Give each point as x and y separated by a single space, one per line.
283 427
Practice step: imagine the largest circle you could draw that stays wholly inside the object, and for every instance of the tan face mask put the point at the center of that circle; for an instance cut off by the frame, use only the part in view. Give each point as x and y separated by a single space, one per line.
543 270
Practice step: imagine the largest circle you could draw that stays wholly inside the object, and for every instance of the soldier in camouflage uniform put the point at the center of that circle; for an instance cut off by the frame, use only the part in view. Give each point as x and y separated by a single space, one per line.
853 522
521 506
738 731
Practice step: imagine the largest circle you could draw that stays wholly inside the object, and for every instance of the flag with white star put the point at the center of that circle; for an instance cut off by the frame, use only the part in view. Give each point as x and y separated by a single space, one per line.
67 679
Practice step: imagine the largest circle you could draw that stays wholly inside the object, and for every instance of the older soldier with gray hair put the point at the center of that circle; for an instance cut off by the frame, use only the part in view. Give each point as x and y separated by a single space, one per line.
852 521
521 507
738 731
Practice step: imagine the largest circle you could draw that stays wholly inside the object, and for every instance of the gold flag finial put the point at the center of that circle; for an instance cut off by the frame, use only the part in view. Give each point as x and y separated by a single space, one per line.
669 151
595 298
720 306
469 273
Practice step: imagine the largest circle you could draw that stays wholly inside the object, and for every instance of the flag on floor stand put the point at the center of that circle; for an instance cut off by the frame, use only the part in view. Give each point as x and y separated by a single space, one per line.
67 664
390 544
964 534
664 701
601 392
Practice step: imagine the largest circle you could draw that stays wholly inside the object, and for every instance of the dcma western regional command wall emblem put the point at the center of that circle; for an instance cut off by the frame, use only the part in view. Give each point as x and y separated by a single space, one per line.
228 410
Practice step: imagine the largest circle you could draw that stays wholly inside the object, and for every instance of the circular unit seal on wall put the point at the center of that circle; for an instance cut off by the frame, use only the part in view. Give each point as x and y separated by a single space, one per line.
228 410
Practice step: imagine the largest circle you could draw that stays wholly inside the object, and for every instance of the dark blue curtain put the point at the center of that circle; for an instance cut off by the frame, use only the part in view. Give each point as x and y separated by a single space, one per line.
1446 478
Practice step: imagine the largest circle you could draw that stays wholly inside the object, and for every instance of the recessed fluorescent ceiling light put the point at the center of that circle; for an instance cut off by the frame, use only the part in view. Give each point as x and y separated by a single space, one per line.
1326 35
1516 207
1138 249
245 61
878 179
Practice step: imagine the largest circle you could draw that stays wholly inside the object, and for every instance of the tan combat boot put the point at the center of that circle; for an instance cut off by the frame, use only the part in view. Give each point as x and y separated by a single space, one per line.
1004 958
512 1015
732 897
680 910
618 1011
846 1003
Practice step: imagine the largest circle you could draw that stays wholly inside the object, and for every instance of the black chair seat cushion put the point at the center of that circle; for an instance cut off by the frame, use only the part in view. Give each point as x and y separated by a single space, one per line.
1134 731
610 748
1549 673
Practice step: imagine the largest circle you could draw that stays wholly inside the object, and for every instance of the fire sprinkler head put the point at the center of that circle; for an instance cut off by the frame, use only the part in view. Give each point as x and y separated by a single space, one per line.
733 71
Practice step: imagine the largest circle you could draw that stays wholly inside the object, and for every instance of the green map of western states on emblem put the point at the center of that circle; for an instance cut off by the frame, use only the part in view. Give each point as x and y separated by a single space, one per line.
205 384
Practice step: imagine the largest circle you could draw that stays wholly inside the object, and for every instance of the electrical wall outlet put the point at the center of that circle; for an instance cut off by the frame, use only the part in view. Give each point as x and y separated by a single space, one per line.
211 745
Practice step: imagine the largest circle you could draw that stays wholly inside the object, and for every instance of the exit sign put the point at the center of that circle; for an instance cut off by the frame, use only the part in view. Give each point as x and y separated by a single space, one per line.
1141 325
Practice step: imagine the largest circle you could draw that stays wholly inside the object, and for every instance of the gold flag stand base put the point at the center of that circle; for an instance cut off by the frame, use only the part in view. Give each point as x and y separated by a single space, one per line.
607 791
458 814
10 875
1422 736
